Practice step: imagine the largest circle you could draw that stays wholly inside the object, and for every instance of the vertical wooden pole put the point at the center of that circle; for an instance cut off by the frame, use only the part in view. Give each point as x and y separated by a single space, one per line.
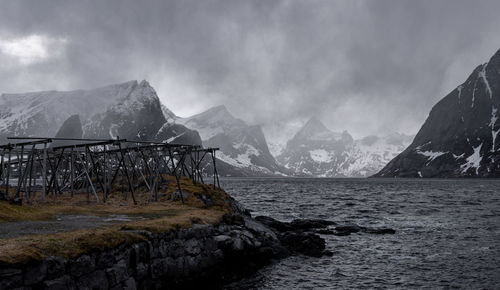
105 195
72 171
44 171
8 174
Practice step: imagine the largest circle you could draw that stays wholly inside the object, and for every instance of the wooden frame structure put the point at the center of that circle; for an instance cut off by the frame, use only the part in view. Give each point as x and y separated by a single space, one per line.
67 166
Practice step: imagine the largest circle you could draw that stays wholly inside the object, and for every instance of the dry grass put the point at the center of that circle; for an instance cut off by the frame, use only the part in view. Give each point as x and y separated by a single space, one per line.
162 216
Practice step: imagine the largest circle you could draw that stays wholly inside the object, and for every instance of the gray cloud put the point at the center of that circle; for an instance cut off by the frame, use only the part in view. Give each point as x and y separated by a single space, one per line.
371 67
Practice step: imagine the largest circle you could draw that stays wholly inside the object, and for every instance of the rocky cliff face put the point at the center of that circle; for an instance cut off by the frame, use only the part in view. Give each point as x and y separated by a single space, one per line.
130 110
243 148
317 151
460 136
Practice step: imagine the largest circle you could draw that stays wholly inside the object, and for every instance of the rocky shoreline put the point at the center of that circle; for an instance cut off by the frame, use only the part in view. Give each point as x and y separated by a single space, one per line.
209 255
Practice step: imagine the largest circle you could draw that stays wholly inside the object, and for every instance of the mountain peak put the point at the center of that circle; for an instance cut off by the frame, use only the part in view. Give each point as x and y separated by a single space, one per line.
218 110
314 124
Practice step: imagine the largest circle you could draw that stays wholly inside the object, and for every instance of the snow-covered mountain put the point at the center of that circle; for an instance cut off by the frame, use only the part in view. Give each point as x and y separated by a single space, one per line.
460 136
317 151
129 110
242 147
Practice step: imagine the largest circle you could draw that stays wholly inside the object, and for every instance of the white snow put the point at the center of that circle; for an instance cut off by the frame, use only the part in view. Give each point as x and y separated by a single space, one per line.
321 155
493 121
212 122
473 94
366 159
430 154
482 74
459 88
474 160
53 107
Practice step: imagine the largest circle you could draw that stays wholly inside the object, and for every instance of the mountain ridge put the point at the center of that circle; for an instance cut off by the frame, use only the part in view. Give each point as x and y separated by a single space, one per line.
459 137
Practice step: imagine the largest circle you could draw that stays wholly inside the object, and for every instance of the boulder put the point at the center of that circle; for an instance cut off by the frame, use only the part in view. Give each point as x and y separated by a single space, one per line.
305 243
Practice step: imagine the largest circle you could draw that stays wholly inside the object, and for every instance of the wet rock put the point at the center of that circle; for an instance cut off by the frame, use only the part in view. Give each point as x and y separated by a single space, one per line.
305 243
327 253
158 268
61 283
10 278
193 247
379 231
345 230
105 260
35 274
274 224
83 265
141 271
222 239
56 266
94 280
117 273
306 224
129 284
238 244
325 232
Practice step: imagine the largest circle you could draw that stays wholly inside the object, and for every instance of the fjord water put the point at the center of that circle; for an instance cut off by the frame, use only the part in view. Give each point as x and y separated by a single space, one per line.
447 232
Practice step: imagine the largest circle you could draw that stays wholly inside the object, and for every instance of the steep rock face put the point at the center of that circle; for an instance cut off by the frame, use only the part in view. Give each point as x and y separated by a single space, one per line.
130 110
71 128
317 151
178 134
243 148
460 136
43 113
136 116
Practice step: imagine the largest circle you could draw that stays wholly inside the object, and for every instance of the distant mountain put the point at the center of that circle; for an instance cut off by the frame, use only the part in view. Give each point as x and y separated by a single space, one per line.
460 136
242 147
129 110
317 151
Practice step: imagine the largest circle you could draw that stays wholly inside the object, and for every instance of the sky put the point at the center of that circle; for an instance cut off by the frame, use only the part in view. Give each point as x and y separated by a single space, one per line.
368 67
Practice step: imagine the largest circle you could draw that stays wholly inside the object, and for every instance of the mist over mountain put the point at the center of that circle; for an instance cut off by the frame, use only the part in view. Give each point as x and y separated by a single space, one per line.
317 151
460 136
242 147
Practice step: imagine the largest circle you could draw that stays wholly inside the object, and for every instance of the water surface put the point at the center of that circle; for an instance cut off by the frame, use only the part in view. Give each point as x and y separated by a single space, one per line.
448 232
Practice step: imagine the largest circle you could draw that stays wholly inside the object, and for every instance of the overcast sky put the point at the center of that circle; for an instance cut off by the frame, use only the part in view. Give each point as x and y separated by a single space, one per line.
369 67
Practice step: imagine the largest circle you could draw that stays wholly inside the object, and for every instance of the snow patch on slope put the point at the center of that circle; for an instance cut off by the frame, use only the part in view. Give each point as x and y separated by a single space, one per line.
474 160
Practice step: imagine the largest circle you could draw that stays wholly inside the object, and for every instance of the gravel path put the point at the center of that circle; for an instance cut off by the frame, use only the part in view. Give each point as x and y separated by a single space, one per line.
62 223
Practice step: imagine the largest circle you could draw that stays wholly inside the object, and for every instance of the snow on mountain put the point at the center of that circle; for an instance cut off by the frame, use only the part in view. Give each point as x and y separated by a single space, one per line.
212 122
42 113
278 133
242 147
130 110
372 153
317 151
168 114
460 136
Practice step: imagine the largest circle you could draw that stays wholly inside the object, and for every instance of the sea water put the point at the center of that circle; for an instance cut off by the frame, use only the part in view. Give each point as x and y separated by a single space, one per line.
447 232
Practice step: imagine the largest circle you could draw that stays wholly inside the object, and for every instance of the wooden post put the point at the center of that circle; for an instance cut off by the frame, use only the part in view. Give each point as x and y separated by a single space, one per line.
8 174
105 195
44 171
72 171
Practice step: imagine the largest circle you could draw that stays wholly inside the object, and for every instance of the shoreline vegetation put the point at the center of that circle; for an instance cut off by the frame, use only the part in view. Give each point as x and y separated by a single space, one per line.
164 215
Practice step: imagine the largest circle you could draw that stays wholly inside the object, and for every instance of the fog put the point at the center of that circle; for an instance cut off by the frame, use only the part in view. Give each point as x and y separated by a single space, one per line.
368 67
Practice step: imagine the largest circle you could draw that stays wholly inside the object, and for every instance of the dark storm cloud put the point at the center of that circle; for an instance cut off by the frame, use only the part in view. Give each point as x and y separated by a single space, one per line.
370 67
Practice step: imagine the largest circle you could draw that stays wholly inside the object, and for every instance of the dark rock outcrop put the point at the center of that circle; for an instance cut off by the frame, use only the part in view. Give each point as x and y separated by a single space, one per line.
460 138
